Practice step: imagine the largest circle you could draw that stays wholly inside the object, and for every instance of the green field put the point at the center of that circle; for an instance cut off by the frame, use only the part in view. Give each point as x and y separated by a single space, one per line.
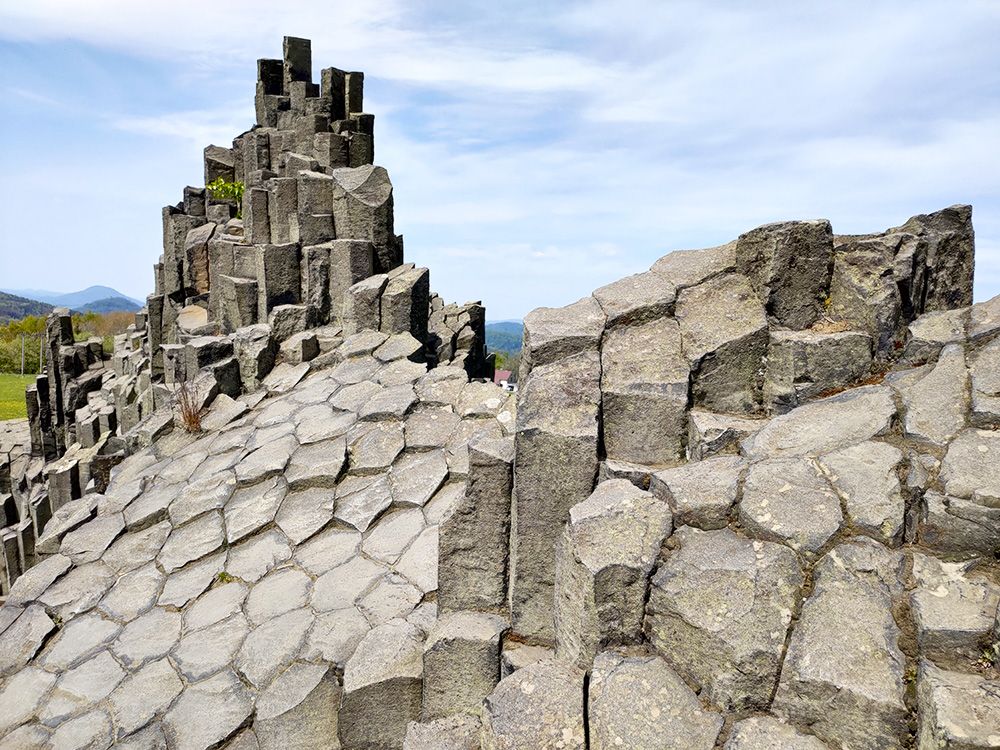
12 395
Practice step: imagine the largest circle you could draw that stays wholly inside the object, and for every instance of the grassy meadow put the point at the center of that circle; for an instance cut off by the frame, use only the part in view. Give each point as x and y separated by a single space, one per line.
12 395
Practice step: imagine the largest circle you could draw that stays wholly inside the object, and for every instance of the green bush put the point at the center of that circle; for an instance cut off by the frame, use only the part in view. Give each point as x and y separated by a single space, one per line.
10 356
223 190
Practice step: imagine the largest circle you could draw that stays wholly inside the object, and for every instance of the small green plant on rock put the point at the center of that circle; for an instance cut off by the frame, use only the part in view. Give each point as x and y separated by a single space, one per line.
223 190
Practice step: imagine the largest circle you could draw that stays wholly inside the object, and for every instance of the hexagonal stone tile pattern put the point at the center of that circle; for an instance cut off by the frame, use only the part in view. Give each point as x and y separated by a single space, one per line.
223 585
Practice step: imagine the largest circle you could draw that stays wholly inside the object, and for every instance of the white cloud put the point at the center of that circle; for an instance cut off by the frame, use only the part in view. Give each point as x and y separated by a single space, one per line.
539 151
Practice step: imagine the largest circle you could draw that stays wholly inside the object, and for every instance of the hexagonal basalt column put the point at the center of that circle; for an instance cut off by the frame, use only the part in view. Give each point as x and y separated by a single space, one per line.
602 566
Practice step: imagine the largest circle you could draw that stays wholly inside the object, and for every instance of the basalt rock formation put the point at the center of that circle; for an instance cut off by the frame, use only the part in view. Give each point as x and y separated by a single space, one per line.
748 499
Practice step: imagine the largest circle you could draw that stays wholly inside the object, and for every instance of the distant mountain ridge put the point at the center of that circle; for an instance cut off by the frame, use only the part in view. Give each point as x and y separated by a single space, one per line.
110 304
77 300
14 307
504 336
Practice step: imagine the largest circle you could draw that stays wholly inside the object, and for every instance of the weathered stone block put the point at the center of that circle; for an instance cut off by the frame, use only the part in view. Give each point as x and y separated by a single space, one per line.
766 733
710 434
287 320
539 706
700 493
255 350
404 303
954 612
724 333
603 561
686 268
552 333
354 92
934 397
957 711
362 309
984 369
351 261
788 500
255 216
461 663
823 426
283 210
238 301
452 733
382 687
297 58
638 702
555 467
219 163
636 299
788 265
644 385
946 242
929 333
278 277
196 275
843 672
802 365
360 149
864 294
300 347
865 476
316 282
473 546
363 210
719 610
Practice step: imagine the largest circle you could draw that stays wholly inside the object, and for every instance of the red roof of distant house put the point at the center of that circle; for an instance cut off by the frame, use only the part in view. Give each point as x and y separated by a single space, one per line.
500 375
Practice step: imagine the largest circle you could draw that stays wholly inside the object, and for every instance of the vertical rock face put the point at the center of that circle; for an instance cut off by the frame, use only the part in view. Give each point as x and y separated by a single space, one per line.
382 687
644 385
555 467
461 663
724 333
474 543
551 334
789 266
603 562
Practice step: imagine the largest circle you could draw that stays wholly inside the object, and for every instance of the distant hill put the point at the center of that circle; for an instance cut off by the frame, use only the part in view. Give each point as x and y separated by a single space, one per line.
13 307
110 304
504 336
81 300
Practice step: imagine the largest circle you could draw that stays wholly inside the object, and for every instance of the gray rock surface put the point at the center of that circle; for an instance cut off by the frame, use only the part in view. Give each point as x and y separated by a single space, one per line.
382 687
603 563
461 663
554 468
765 732
956 710
843 673
539 706
639 702
719 610
644 388
724 334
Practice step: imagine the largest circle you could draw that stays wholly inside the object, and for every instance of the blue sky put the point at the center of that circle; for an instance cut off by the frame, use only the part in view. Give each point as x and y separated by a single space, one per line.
538 150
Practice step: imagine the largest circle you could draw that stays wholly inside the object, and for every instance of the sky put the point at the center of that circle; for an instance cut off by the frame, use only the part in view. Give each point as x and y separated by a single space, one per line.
538 150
